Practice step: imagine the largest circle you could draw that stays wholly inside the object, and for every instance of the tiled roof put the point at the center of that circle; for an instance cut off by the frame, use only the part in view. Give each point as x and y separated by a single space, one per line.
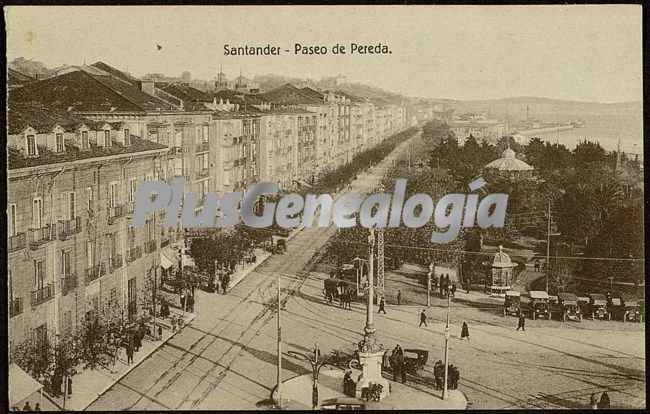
185 92
118 73
351 97
15 78
43 120
88 90
288 94
46 157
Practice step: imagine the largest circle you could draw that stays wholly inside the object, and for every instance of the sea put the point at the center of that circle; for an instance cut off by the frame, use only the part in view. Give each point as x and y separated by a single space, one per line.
609 131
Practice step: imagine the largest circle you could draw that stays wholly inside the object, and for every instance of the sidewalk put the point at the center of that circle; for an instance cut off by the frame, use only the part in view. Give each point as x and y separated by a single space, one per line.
297 392
88 385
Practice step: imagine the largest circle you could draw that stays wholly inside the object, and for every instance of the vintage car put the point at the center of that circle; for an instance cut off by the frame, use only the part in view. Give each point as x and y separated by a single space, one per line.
535 304
632 309
553 307
343 403
615 306
569 309
415 360
598 306
512 305
583 304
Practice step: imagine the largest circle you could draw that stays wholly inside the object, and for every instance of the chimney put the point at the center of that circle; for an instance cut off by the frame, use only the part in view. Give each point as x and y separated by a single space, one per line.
148 87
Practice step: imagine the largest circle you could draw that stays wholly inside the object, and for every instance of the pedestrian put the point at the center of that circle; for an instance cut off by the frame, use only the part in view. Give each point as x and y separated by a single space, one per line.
455 377
450 382
382 306
137 341
522 322
467 283
593 401
385 364
129 353
37 407
223 285
423 318
174 322
398 350
69 386
27 407
190 304
604 401
183 299
438 373
399 297
402 368
453 290
159 331
464 333
537 265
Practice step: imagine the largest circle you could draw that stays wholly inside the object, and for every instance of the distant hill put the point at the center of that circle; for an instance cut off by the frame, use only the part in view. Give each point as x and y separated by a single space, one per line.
544 108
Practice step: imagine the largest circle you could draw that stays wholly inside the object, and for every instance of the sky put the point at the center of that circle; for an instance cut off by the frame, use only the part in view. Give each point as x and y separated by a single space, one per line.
584 53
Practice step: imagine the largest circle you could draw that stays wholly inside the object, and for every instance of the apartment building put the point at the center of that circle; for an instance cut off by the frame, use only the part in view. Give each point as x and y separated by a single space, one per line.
73 255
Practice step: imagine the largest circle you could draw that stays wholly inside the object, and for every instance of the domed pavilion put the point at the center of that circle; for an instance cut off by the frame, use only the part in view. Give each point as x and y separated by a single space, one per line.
500 273
509 166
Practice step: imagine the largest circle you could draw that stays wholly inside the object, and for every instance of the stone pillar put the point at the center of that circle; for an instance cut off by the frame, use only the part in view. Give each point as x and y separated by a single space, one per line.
371 366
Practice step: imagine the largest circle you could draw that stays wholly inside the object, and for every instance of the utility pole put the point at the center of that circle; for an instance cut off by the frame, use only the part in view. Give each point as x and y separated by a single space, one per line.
371 289
279 388
445 390
548 244
155 335
432 269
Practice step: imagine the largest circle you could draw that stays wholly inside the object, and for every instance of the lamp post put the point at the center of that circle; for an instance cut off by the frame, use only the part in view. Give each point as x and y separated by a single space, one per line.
316 365
279 386
445 390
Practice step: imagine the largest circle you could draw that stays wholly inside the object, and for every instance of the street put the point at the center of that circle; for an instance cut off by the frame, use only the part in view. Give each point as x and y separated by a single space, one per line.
226 359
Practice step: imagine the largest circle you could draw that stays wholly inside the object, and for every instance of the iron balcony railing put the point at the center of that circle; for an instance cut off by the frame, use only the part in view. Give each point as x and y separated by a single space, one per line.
202 174
202 147
115 262
116 212
68 283
150 246
94 272
133 254
42 235
69 227
164 242
17 242
15 307
42 295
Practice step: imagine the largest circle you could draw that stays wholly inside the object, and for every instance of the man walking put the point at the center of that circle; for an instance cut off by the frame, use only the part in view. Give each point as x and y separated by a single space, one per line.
423 319
522 321
129 353
382 306
399 297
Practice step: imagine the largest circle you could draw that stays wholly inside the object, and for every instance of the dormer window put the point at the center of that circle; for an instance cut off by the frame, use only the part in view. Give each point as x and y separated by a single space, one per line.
60 146
127 137
85 144
31 145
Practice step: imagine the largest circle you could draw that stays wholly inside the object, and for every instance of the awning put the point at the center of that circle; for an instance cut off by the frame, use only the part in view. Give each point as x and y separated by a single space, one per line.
168 258
21 385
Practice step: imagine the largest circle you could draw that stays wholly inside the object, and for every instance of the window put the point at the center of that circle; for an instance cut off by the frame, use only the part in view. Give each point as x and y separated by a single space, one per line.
37 213
204 161
151 230
133 185
205 133
12 220
107 138
89 199
127 137
39 274
71 205
66 263
84 140
60 147
90 254
31 145
112 195
113 296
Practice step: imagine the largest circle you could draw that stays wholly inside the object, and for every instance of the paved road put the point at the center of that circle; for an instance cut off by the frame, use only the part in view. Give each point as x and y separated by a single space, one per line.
227 357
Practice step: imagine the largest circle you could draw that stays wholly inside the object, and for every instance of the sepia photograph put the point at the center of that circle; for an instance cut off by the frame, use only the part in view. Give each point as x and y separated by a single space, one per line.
310 207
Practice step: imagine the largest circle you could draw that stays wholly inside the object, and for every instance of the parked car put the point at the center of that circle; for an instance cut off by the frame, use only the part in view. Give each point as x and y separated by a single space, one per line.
632 309
535 304
512 304
568 303
615 306
598 306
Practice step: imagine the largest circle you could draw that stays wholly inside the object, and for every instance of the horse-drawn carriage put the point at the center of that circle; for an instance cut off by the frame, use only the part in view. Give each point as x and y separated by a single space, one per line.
415 360
338 289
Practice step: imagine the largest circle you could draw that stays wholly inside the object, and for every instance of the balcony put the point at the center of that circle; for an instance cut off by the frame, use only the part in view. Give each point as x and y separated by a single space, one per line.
150 246
174 151
129 207
94 272
42 295
204 173
134 254
164 243
68 283
41 236
15 307
115 262
115 213
203 147
17 242
69 227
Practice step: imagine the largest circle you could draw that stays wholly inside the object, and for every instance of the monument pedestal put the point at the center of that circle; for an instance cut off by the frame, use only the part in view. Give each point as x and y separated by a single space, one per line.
371 372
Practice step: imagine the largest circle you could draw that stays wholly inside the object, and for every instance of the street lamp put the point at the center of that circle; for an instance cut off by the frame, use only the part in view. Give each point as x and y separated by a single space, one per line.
360 269
316 365
445 390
